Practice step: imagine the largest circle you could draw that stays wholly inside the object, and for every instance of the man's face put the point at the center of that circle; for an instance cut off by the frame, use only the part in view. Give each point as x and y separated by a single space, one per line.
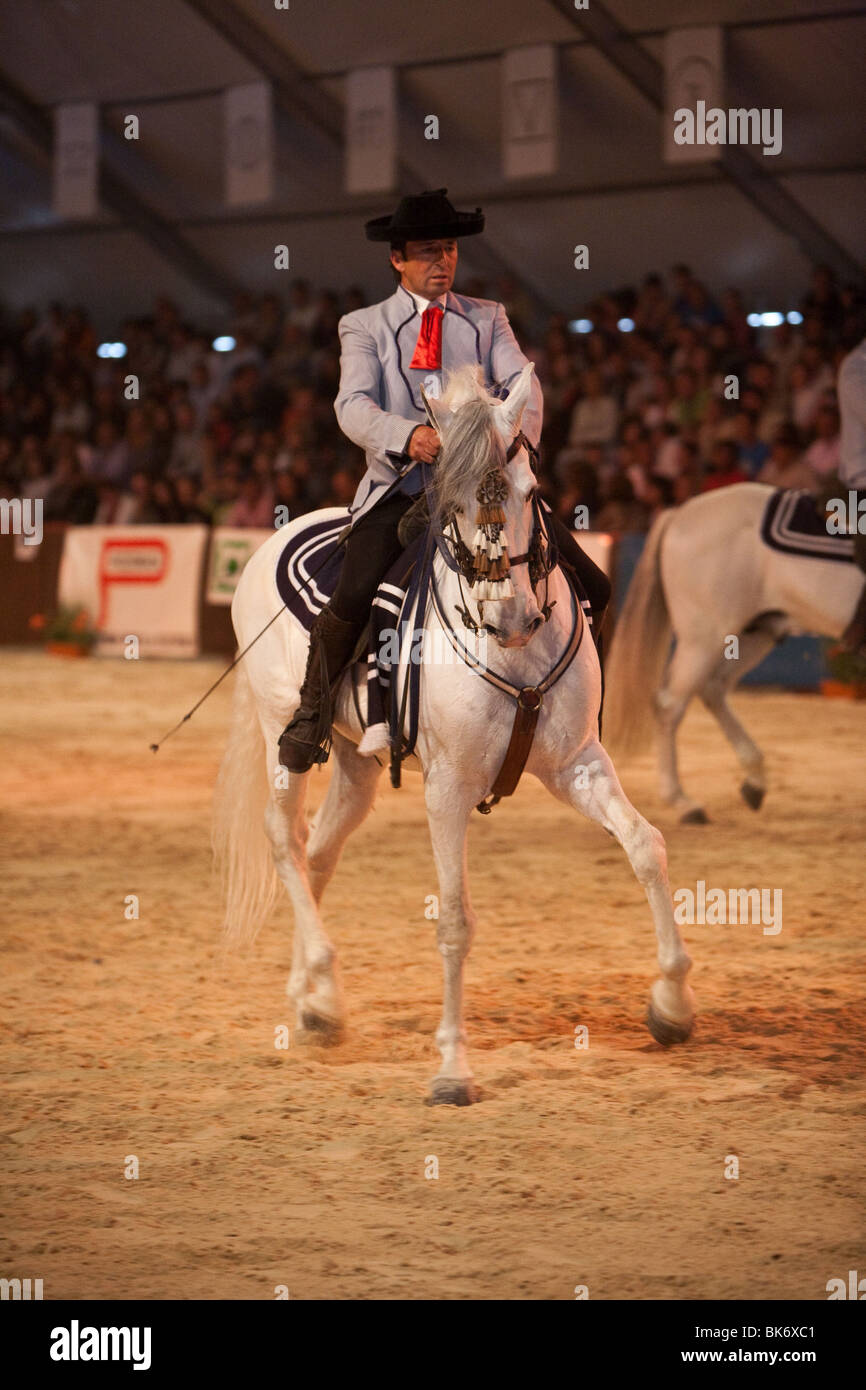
428 267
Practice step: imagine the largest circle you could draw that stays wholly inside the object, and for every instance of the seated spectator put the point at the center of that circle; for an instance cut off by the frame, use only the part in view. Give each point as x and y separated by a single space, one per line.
71 414
810 378
595 417
202 392
753 452
783 349
686 486
187 494
653 307
72 497
109 459
165 503
287 493
139 440
669 454
657 410
290 363
581 490
823 301
659 497
116 507
715 424
33 469
302 311
344 484
699 310
822 455
785 466
689 401
138 509
736 319
725 468
621 511
254 506
186 455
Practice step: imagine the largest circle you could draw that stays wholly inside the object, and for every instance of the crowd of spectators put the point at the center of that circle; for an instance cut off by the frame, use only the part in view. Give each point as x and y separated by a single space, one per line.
670 394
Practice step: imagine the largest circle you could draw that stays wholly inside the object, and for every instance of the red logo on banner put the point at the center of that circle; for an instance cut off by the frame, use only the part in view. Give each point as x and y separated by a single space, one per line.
131 561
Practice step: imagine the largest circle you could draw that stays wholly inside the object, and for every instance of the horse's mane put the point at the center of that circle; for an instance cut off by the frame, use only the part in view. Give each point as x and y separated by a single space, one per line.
471 443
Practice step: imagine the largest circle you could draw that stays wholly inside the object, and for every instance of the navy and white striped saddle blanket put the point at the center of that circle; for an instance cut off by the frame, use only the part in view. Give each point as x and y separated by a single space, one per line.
792 523
315 545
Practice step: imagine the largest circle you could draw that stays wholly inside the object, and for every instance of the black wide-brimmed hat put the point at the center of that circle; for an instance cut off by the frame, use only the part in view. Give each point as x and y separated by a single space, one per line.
423 216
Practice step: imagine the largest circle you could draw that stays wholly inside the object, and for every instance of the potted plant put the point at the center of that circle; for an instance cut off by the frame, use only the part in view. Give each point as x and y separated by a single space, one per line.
847 679
68 633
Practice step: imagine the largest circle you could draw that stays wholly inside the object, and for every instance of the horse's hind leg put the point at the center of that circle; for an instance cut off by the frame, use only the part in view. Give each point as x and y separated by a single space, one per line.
689 669
753 647
314 982
448 810
591 786
347 801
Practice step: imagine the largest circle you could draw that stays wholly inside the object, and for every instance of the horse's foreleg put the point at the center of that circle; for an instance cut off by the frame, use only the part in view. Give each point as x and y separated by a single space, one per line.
347 801
314 982
448 811
687 674
592 786
753 647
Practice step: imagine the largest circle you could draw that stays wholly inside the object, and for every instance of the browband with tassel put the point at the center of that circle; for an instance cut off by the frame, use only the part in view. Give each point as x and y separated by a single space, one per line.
492 578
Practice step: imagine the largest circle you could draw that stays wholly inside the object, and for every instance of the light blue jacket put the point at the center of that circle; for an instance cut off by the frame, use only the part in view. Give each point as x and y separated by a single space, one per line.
379 401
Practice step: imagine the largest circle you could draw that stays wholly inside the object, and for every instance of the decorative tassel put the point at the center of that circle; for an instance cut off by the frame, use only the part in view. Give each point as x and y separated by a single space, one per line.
490 560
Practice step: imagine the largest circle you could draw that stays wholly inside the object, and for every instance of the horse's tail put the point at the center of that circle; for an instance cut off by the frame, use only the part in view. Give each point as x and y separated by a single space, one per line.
241 848
640 649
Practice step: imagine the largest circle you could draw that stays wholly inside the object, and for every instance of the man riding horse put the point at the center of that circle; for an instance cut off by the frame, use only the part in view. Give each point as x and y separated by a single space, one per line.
390 352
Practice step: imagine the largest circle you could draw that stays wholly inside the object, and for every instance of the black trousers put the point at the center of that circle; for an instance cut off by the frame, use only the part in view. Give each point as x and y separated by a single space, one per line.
372 547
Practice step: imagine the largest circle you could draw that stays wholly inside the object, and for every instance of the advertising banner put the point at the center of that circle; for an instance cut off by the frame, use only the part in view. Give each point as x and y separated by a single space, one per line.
137 581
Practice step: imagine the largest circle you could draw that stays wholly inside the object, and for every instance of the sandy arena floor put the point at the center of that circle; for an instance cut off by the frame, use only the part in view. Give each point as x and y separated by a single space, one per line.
261 1167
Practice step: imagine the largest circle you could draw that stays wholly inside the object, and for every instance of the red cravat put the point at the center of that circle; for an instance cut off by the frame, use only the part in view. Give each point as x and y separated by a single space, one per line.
428 349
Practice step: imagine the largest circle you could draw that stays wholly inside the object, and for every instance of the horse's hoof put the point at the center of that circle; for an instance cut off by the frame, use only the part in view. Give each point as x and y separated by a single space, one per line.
752 795
316 1028
665 1031
698 816
446 1090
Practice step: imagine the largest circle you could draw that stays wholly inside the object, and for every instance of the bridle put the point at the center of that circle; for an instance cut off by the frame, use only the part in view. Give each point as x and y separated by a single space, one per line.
541 557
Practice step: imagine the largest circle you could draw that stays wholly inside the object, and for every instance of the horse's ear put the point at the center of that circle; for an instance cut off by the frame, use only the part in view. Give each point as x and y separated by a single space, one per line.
436 412
509 411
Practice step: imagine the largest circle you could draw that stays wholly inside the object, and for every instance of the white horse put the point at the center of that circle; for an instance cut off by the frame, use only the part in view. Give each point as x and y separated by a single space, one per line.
705 577
464 730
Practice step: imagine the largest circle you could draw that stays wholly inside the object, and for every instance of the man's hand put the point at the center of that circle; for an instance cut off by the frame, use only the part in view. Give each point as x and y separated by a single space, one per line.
424 444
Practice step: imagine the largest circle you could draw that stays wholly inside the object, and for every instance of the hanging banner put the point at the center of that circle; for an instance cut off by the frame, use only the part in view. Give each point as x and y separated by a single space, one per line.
230 548
529 111
76 161
136 581
249 144
371 130
694 85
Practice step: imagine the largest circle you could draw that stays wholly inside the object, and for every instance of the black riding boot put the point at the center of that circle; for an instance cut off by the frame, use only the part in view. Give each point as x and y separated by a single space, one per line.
305 740
593 580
